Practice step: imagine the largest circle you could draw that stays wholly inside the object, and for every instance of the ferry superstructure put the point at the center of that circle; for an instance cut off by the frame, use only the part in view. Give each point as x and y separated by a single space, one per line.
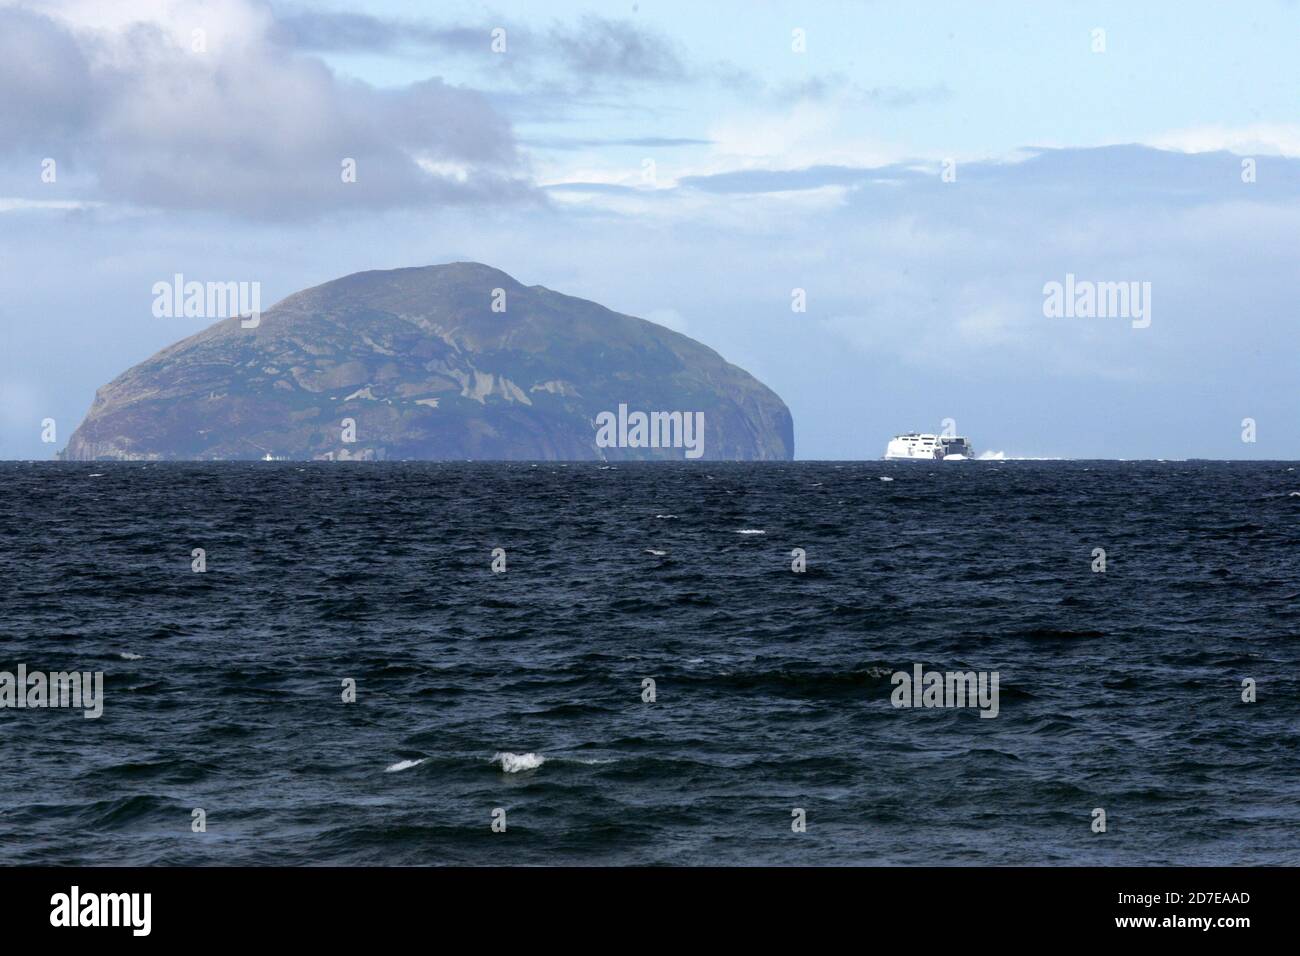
919 446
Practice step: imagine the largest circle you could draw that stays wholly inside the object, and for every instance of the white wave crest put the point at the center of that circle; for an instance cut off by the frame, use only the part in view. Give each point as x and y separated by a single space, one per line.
751 531
128 656
404 765
513 763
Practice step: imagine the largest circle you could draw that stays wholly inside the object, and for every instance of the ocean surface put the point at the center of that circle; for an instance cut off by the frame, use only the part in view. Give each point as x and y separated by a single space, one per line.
523 691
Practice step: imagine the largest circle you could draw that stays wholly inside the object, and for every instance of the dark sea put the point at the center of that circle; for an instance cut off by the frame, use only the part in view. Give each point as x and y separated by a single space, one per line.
522 691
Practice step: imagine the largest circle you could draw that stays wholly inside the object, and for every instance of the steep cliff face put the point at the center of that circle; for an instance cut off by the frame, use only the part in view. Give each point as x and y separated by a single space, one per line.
424 368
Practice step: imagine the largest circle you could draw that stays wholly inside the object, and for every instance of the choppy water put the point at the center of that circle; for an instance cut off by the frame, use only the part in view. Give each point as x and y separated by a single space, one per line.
1119 690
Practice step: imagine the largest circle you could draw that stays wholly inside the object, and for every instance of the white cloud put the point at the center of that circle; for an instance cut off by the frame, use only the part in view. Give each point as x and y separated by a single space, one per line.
13 204
230 119
1257 139
805 134
755 214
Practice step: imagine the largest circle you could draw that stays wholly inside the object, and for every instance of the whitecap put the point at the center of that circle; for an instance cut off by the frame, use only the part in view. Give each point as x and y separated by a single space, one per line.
513 763
751 531
404 765
657 554
885 478
98 474
128 656
665 516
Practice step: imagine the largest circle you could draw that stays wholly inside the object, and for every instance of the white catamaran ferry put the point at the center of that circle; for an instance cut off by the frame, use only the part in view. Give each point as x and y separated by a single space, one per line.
915 446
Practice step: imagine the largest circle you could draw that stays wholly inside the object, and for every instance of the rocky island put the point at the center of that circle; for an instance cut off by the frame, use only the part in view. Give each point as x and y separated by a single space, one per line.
454 361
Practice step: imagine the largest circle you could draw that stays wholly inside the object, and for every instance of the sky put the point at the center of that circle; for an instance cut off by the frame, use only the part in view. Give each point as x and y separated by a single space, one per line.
917 173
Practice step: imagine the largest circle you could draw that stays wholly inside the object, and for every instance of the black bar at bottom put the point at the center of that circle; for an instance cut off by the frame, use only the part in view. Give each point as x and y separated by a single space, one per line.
337 904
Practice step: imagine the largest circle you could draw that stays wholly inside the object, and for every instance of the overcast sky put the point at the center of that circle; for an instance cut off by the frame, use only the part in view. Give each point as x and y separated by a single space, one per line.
686 162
